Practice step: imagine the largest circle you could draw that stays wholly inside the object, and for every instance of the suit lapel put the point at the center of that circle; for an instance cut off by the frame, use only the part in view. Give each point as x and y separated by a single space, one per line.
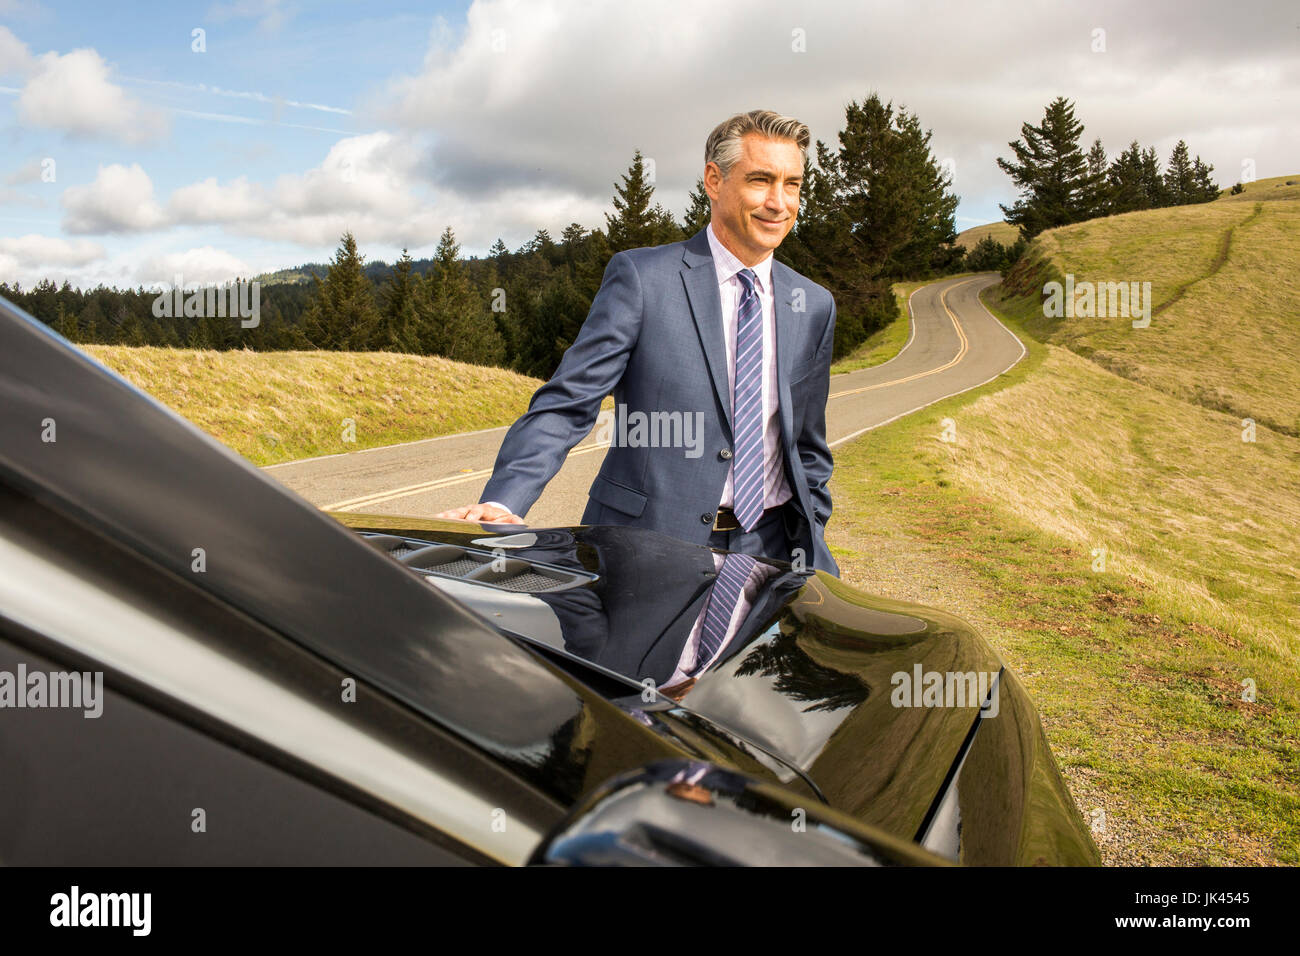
701 281
783 294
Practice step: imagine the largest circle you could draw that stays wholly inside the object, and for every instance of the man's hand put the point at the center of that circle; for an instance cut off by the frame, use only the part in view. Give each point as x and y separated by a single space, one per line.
482 512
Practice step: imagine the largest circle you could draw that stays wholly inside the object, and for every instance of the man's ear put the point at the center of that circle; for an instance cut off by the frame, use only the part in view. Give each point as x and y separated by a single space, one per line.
711 169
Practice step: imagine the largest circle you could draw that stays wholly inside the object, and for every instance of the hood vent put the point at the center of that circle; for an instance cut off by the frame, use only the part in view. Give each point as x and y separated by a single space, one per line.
496 570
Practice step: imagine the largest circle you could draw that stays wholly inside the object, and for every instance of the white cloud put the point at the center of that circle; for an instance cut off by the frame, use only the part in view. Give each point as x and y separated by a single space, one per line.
29 172
527 117
119 200
557 94
34 251
15 59
72 92
209 202
152 262
371 185
202 266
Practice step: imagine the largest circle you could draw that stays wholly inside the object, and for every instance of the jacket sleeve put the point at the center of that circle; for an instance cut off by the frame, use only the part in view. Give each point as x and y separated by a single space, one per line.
564 410
815 453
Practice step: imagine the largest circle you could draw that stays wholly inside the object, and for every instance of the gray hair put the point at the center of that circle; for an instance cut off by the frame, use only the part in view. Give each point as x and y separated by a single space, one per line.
723 145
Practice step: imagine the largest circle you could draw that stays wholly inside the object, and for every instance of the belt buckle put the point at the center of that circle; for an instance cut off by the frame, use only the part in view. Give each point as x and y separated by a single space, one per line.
731 525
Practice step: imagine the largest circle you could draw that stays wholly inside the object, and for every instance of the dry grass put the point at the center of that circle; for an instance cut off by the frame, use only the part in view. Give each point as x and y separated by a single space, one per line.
1139 667
1003 232
1229 336
278 406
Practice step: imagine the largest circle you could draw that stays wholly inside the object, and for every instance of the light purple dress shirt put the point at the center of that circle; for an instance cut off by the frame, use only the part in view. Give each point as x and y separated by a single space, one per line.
776 489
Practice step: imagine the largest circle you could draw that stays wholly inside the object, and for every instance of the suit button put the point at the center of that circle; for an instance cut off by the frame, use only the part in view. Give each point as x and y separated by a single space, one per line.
707 518
724 455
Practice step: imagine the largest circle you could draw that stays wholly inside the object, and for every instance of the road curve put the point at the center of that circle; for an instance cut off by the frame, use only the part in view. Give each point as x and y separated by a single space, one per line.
955 345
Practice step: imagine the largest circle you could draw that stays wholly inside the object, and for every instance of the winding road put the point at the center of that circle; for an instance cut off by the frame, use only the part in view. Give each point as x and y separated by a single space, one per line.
955 345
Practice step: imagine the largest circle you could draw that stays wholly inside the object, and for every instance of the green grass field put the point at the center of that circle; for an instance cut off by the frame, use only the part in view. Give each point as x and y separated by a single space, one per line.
1105 439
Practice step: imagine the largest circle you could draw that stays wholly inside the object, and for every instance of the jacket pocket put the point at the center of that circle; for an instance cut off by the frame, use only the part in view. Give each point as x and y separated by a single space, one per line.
617 496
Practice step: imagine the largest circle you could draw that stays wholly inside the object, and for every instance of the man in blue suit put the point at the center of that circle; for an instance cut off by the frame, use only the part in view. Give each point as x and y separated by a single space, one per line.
718 357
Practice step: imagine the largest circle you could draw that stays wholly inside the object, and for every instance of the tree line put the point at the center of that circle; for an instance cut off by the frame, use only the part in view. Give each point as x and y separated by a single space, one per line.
875 208
1061 184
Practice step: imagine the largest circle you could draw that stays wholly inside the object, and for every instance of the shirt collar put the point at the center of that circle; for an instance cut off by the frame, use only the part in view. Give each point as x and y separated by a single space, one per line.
727 265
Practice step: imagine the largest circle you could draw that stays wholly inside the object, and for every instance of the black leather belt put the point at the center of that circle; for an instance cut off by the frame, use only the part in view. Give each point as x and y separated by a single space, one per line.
725 518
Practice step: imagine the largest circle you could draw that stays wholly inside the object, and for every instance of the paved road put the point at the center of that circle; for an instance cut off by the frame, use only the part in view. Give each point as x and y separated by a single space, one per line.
955 345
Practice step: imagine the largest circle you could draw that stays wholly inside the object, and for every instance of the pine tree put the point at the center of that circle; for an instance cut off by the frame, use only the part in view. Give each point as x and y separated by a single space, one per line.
879 208
541 243
341 313
92 321
1153 180
559 313
498 249
666 227
1096 201
928 204
1179 178
573 238
1127 192
1204 188
1050 171
698 210
635 223
456 325
400 321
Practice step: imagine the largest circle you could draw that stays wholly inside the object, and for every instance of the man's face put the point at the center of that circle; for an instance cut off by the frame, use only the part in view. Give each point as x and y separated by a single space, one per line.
755 206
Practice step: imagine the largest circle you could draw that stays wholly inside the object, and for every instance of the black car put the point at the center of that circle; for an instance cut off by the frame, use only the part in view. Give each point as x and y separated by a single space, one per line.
198 667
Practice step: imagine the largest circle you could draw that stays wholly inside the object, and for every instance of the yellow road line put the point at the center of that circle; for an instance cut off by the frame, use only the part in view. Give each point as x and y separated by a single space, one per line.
962 349
353 504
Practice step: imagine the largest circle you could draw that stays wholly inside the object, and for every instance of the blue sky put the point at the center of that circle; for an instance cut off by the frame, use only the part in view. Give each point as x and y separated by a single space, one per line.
127 156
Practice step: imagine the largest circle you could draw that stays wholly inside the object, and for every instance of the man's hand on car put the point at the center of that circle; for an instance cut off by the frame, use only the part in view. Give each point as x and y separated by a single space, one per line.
482 512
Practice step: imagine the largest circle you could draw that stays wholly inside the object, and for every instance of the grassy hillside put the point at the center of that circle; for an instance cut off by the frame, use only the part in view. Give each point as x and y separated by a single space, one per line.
1139 664
1225 280
1003 232
277 406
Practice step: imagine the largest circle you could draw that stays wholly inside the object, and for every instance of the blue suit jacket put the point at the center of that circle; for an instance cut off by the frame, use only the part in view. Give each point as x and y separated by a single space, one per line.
654 337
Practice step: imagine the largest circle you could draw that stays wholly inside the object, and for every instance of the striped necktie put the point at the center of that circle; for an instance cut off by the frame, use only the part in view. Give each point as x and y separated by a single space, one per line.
727 589
747 402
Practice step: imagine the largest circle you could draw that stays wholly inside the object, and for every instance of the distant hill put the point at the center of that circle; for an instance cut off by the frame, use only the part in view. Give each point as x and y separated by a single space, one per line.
1003 232
377 272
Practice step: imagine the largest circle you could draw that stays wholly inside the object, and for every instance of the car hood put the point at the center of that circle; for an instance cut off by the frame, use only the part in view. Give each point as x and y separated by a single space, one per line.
813 674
